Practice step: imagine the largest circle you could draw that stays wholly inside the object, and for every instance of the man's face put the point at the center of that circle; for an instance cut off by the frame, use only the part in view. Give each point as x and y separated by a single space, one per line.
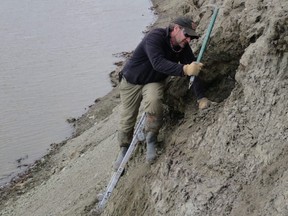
181 38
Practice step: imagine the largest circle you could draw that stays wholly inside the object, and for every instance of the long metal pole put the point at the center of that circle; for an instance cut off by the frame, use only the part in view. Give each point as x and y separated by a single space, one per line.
206 39
138 136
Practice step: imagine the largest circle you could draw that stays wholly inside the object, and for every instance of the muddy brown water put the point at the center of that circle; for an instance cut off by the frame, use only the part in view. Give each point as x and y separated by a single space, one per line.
54 62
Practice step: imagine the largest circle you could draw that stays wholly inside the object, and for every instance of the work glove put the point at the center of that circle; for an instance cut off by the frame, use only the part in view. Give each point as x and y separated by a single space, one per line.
203 103
192 69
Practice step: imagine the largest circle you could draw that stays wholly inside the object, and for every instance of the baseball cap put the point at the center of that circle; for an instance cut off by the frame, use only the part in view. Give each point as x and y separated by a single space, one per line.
186 23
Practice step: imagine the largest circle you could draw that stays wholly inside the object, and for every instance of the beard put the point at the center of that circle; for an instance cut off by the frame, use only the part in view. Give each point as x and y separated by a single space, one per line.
182 43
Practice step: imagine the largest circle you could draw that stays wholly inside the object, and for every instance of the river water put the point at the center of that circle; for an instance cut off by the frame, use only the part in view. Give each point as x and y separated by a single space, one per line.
55 57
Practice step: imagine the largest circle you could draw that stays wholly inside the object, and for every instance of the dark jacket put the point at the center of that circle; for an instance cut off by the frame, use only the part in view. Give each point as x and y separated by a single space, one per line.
154 60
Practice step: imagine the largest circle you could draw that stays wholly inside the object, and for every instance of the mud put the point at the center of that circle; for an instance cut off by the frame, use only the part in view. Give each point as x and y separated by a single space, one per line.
230 159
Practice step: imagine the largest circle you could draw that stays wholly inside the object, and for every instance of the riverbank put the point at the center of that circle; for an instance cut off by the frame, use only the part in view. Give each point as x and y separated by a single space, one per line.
67 180
54 63
219 161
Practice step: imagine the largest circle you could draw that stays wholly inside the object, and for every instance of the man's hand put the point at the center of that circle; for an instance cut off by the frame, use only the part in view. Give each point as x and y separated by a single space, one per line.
192 69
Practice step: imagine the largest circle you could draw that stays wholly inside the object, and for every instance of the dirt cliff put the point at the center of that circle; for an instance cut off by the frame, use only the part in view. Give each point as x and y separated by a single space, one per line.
230 159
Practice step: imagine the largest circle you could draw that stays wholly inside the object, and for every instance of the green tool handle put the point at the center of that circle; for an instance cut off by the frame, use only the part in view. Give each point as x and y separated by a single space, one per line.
206 39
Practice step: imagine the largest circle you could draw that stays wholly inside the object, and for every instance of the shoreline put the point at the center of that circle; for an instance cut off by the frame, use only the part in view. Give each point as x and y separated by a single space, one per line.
216 161
42 169
83 60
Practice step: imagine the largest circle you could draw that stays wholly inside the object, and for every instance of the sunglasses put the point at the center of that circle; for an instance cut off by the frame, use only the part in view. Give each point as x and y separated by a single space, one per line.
188 36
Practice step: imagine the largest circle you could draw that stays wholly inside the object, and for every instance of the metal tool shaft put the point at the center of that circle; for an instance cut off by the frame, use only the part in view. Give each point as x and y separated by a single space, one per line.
206 39
116 176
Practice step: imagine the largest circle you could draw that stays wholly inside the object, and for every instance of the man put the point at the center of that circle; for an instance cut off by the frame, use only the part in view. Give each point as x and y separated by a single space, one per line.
162 53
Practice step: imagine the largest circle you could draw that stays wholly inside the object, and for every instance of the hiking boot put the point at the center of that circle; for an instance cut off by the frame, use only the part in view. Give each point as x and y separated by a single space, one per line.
151 139
120 157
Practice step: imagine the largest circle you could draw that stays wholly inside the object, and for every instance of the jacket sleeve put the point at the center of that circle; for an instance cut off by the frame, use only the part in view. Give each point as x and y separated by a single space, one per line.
187 56
155 49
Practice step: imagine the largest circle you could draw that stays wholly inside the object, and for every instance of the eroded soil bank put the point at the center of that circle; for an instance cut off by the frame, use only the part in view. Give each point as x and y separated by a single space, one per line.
230 159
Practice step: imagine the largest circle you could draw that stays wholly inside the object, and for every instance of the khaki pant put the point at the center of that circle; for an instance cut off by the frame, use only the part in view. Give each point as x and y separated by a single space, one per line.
131 97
